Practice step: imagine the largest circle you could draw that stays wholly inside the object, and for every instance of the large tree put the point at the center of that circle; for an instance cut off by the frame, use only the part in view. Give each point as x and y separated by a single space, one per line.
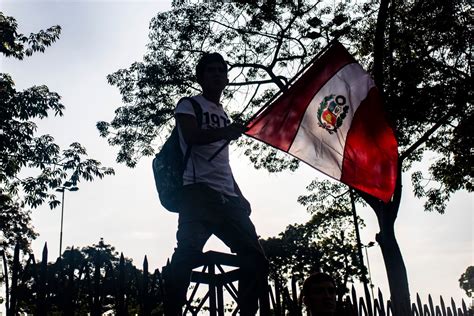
418 52
421 59
32 166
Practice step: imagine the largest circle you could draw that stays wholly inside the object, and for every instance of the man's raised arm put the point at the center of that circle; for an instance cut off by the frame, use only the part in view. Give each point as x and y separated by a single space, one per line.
193 135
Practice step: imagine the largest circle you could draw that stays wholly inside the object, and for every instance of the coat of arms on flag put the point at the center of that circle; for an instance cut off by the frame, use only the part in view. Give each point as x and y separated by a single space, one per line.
332 111
332 119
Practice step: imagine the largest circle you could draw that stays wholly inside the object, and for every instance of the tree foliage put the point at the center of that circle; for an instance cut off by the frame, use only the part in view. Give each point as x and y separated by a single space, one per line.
466 281
265 45
31 165
18 45
15 224
427 83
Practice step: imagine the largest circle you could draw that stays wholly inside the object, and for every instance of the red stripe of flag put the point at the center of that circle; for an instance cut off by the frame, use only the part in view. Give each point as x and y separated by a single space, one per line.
370 152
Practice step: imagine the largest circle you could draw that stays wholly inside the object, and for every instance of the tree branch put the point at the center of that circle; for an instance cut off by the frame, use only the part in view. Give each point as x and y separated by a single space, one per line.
427 135
274 78
272 36
379 43
259 82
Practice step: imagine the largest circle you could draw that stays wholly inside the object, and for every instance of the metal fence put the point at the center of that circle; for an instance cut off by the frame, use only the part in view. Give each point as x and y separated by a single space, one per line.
73 287
286 300
69 287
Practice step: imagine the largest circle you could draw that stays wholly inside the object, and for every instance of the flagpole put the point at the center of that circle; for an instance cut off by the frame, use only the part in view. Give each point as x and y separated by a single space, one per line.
267 104
359 243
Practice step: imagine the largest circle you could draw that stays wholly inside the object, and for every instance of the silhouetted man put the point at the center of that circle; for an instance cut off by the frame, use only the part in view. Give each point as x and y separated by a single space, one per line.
213 202
319 295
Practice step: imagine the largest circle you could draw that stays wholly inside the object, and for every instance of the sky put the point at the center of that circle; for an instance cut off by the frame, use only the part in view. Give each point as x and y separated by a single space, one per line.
101 37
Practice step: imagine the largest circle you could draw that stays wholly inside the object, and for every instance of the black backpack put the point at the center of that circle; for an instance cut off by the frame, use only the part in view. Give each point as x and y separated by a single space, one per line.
169 164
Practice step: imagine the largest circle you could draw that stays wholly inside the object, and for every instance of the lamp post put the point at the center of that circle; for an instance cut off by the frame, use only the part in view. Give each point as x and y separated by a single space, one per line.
370 244
69 186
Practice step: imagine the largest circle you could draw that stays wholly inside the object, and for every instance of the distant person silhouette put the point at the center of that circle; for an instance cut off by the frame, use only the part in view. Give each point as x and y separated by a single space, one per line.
319 295
212 201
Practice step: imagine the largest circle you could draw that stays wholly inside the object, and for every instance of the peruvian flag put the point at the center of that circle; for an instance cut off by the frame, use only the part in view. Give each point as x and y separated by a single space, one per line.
332 119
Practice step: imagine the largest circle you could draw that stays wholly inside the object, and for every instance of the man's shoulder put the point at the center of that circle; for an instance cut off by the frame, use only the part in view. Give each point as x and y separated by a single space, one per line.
198 97
192 101
184 100
185 104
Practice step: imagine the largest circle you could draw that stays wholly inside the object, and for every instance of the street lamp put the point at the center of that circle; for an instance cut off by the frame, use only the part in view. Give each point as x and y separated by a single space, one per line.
370 244
70 186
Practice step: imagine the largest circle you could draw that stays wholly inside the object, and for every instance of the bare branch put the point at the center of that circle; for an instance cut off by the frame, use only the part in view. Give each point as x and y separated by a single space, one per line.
259 82
427 135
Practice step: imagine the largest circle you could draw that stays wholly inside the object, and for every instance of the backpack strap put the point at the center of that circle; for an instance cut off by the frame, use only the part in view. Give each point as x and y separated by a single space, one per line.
198 111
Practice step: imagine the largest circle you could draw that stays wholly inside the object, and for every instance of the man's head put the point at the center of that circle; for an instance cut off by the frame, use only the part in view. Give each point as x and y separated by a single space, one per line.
319 294
211 72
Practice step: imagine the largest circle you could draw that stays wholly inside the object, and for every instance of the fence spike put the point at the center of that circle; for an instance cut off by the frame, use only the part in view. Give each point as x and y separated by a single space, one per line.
362 307
121 287
418 305
42 282
449 311
389 308
69 288
454 309
293 290
145 265
430 302
45 252
443 307
96 298
438 311
426 311
368 300
414 310
354 298
272 297
348 304
381 305
278 297
464 308
376 307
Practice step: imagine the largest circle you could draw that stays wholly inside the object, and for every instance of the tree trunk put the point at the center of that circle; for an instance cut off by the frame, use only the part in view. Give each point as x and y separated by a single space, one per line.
394 265
387 213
